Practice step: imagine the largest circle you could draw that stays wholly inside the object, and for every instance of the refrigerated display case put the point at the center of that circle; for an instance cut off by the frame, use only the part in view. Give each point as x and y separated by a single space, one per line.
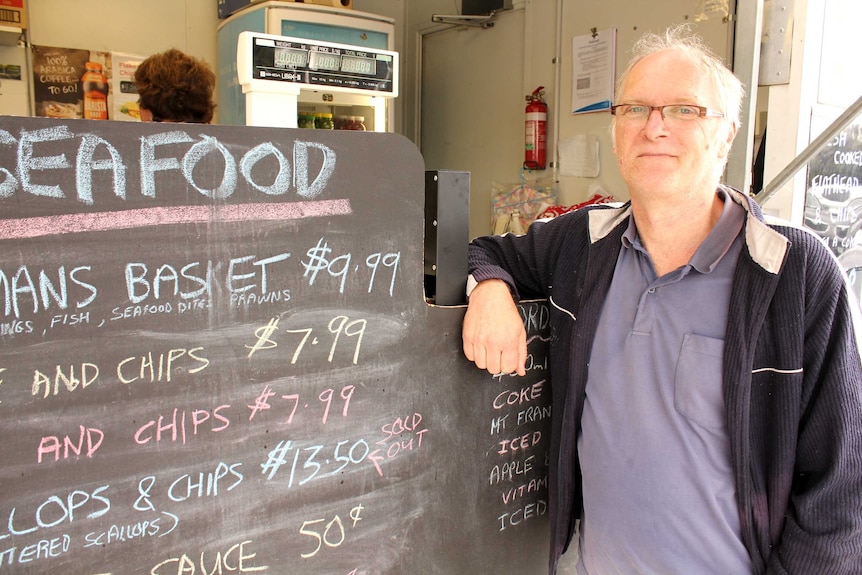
319 26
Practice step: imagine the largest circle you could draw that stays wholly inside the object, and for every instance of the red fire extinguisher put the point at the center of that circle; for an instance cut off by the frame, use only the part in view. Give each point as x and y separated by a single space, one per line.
536 131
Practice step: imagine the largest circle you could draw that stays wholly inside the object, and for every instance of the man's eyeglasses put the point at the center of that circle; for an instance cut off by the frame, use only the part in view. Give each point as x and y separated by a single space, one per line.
672 112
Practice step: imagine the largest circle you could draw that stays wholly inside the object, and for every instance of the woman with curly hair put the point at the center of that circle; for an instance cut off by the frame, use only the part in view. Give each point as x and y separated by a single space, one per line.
175 87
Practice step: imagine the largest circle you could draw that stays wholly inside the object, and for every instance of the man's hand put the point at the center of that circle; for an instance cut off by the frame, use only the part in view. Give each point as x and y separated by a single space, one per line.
493 331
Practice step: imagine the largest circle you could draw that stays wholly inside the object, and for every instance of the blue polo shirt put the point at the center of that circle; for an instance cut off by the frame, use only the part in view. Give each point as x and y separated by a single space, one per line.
658 485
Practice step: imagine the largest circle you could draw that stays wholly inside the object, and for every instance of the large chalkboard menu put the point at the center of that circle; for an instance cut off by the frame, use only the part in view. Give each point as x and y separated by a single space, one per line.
216 358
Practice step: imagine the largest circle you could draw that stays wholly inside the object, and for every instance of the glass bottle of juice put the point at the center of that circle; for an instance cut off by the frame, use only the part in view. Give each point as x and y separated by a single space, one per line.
323 121
94 85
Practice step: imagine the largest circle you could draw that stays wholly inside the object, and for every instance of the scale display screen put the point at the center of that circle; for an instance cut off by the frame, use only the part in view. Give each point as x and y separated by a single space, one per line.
324 64
358 65
324 61
290 58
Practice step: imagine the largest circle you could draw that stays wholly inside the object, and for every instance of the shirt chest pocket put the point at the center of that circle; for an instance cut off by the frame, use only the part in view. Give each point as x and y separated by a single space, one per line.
698 390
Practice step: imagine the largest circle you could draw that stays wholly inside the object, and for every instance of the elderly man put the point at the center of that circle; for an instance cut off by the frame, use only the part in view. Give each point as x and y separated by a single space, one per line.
707 387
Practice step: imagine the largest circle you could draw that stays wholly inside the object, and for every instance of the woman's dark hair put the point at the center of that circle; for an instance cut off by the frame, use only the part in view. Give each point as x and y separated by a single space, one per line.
176 87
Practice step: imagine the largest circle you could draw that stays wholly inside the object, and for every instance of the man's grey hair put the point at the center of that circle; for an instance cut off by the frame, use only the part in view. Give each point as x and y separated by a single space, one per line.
730 89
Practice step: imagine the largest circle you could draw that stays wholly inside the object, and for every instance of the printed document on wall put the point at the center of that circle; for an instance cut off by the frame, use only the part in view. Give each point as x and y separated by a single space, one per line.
593 60
579 156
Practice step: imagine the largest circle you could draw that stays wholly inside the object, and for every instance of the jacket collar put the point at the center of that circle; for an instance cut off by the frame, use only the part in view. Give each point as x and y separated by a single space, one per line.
767 247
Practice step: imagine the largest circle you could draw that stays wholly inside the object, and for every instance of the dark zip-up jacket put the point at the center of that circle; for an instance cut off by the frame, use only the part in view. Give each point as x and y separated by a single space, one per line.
792 379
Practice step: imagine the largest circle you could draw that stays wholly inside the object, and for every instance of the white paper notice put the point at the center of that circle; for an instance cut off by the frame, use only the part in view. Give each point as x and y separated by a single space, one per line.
711 8
593 60
124 106
579 156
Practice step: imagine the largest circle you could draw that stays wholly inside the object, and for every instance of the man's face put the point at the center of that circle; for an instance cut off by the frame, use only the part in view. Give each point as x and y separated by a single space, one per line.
665 158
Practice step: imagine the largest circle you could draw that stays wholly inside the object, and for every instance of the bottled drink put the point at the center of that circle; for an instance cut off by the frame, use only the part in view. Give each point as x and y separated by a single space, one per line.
323 121
305 120
94 85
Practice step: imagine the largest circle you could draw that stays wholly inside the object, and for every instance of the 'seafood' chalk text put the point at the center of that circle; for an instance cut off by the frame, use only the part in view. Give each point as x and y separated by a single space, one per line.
77 157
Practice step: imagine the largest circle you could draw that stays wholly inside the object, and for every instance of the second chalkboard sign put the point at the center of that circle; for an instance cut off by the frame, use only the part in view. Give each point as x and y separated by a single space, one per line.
833 199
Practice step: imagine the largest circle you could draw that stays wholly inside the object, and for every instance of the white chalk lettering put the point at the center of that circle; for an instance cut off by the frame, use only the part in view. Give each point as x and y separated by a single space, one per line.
173 154
199 151
27 163
150 165
86 165
281 181
300 161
